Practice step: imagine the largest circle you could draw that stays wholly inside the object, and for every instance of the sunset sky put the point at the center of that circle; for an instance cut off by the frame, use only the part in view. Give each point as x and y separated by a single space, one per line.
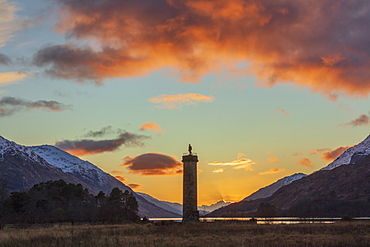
261 89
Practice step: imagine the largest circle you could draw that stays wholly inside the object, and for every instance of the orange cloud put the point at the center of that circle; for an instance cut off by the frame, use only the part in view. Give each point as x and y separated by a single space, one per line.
240 155
152 126
153 164
280 40
236 164
272 171
319 151
306 162
283 111
117 172
12 77
134 186
362 120
176 101
333 154
120 178
220 170
273 160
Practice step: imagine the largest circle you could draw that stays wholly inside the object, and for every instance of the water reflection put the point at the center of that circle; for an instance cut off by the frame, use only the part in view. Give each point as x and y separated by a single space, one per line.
275 220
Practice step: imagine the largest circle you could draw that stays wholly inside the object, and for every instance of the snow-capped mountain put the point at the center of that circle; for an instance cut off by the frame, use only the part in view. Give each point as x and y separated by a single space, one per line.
96 178
272 188
351 155
21 168
81 169
13 149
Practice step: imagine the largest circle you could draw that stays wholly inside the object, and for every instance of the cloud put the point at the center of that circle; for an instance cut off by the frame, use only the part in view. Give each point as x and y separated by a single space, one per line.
306 162
134 186
236 164
362 120
89 147
273 160
319 151
12 77
240 155
4 59
100 133
220 170
120 178
11 105
152 126
279 39
272 171
116 172
153 164
7 21
283 111
178 100
333 154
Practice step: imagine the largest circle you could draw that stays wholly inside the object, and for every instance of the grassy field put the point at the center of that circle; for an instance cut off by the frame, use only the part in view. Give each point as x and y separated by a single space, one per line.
201 234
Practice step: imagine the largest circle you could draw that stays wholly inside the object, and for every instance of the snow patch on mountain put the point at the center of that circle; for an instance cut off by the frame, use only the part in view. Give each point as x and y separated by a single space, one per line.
72 164
361 149
12 148
272 188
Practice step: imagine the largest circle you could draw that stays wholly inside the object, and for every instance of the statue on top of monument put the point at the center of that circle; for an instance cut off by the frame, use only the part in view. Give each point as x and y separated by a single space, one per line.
190 149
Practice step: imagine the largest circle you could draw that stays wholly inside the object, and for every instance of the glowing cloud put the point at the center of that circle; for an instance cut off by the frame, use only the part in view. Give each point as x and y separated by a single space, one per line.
333 154
90 147
362 120
272 171
273 160
319 151
280 40
134 186
11 105
220 170
178 100
283 111
153 164
152 126
236 164
306 162
120 178
12 77
240 155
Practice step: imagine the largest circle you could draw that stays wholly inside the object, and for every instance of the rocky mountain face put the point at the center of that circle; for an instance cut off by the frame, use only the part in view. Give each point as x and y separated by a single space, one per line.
272 188
343 188
22 167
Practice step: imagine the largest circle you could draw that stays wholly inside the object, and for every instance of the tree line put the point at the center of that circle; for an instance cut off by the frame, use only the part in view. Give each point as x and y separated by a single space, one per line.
57 201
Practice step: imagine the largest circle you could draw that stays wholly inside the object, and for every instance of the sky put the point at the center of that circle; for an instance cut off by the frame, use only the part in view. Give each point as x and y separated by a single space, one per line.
260 89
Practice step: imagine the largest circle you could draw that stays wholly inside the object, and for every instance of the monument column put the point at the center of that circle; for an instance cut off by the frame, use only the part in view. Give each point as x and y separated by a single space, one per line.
190 200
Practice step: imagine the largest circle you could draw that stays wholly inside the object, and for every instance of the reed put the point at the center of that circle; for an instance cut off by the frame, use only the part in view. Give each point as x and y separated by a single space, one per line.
199 234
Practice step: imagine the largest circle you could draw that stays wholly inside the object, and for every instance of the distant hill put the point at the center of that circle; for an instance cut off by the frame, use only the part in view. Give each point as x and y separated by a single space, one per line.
272 188
344 189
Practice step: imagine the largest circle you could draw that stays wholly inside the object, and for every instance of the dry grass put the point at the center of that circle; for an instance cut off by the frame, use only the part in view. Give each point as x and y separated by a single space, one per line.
201 234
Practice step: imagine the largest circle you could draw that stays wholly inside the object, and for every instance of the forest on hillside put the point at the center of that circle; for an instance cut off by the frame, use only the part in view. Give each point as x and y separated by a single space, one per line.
57 201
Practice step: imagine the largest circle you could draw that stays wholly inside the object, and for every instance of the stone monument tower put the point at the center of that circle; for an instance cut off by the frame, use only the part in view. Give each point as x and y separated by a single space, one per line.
190 202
